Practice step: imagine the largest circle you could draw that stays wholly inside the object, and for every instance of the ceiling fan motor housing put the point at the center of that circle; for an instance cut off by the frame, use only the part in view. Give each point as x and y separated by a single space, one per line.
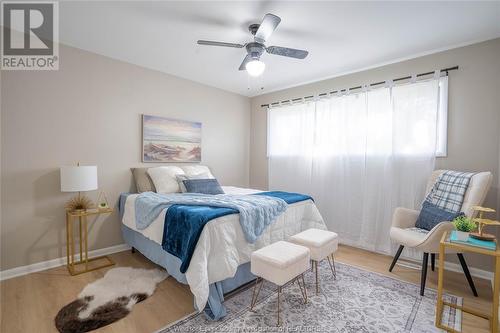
255 49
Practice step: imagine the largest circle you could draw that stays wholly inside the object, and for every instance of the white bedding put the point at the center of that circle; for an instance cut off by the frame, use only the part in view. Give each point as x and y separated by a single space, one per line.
222 246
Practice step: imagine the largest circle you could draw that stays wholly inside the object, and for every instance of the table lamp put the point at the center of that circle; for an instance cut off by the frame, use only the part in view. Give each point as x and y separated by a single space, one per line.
79 179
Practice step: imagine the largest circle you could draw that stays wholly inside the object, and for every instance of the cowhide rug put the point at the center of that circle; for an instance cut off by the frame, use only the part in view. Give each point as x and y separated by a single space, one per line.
108 299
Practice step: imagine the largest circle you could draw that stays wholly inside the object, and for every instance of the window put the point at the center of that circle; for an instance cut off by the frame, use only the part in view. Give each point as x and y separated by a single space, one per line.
409 119
360 155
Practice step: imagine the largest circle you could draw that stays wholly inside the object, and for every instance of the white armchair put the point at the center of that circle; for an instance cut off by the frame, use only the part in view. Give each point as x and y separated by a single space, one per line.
404 232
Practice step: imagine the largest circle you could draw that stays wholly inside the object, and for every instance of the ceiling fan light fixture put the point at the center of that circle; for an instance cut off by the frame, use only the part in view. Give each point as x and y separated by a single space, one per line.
255 67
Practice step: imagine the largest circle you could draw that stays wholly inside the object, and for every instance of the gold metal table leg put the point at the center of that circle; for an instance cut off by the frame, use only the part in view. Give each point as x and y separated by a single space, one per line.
85 237
496 290
80 238
67 239
72 242
439 307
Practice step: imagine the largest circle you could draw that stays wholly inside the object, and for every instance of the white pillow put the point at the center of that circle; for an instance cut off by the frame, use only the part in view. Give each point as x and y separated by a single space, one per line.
192 170
164 178
182 178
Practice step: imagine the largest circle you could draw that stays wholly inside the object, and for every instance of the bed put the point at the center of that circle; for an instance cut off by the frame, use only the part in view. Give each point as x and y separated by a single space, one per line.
220 261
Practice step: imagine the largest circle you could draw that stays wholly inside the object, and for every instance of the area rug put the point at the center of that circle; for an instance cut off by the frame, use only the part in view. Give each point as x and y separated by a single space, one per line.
108 299
358 301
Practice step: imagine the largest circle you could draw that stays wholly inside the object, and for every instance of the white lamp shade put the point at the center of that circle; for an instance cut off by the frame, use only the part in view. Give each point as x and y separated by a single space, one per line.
78 178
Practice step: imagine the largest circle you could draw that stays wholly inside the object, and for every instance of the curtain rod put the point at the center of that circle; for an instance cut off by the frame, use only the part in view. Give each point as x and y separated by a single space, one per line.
445 70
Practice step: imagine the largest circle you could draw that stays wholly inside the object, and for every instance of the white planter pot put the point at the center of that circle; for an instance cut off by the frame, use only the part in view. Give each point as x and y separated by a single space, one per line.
462 236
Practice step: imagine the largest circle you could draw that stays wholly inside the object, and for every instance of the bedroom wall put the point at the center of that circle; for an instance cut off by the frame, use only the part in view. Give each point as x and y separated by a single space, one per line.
90 111
473 120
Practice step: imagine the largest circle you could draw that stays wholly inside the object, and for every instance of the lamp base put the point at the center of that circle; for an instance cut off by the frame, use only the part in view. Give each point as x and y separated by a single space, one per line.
79 203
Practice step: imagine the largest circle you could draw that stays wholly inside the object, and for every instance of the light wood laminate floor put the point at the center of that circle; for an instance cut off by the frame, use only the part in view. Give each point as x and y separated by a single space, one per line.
29 303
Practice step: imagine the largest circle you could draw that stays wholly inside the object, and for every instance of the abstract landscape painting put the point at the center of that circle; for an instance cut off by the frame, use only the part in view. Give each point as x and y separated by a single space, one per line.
170 140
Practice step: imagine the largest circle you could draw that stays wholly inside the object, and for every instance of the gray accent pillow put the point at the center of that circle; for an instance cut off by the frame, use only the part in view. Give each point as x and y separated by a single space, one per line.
431 215
182 178
143 182
205 186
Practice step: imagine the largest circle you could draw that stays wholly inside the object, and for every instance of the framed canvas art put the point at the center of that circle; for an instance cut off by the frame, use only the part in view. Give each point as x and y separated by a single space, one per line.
170 140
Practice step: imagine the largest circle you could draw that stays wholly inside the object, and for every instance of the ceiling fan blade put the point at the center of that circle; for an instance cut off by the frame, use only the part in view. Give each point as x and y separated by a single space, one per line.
266 28
212 43
287 52
244 63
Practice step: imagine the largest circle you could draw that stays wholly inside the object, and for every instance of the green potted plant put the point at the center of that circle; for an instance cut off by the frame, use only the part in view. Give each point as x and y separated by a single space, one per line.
464 226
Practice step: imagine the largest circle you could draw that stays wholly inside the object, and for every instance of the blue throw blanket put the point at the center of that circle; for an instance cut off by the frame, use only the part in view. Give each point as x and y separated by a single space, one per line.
256 212
183 227
289 197
187 215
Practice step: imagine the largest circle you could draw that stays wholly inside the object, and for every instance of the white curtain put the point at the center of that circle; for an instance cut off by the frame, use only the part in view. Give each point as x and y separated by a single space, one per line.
359 155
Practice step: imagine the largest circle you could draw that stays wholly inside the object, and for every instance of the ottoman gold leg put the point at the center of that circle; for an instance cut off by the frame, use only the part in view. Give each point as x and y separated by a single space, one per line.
332 266
317 278
304 290
255 296
279 292
304 284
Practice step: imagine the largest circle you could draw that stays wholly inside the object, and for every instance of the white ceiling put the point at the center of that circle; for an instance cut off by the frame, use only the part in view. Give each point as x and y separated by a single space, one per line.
340 36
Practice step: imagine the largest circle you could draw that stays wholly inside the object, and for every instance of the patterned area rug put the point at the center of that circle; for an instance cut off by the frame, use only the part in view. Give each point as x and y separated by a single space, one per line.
357 301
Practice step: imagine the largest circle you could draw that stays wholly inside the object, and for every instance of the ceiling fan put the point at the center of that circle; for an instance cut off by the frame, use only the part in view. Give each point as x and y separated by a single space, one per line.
261 32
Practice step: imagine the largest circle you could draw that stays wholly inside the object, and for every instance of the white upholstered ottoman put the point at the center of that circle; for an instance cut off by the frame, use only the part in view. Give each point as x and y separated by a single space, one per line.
279 263
322 244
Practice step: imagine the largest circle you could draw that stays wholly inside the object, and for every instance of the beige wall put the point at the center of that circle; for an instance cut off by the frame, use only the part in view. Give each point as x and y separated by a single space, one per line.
89 111
474 111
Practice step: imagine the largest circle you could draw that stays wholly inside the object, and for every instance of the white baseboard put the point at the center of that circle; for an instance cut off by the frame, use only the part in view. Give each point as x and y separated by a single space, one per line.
449 266
41 266
412 263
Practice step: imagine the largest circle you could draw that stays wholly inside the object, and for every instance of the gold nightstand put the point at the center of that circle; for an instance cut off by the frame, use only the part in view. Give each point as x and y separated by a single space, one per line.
84 264
491 317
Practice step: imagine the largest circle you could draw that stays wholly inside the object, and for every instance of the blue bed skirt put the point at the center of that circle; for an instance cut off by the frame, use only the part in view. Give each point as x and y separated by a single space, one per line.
214 310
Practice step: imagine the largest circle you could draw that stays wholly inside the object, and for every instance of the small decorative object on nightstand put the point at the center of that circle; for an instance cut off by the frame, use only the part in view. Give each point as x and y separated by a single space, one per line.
102 201
482 222
84 264
79 179
464 225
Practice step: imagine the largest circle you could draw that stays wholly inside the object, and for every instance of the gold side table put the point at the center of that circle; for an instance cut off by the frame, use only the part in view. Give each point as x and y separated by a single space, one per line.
493 317
82 265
